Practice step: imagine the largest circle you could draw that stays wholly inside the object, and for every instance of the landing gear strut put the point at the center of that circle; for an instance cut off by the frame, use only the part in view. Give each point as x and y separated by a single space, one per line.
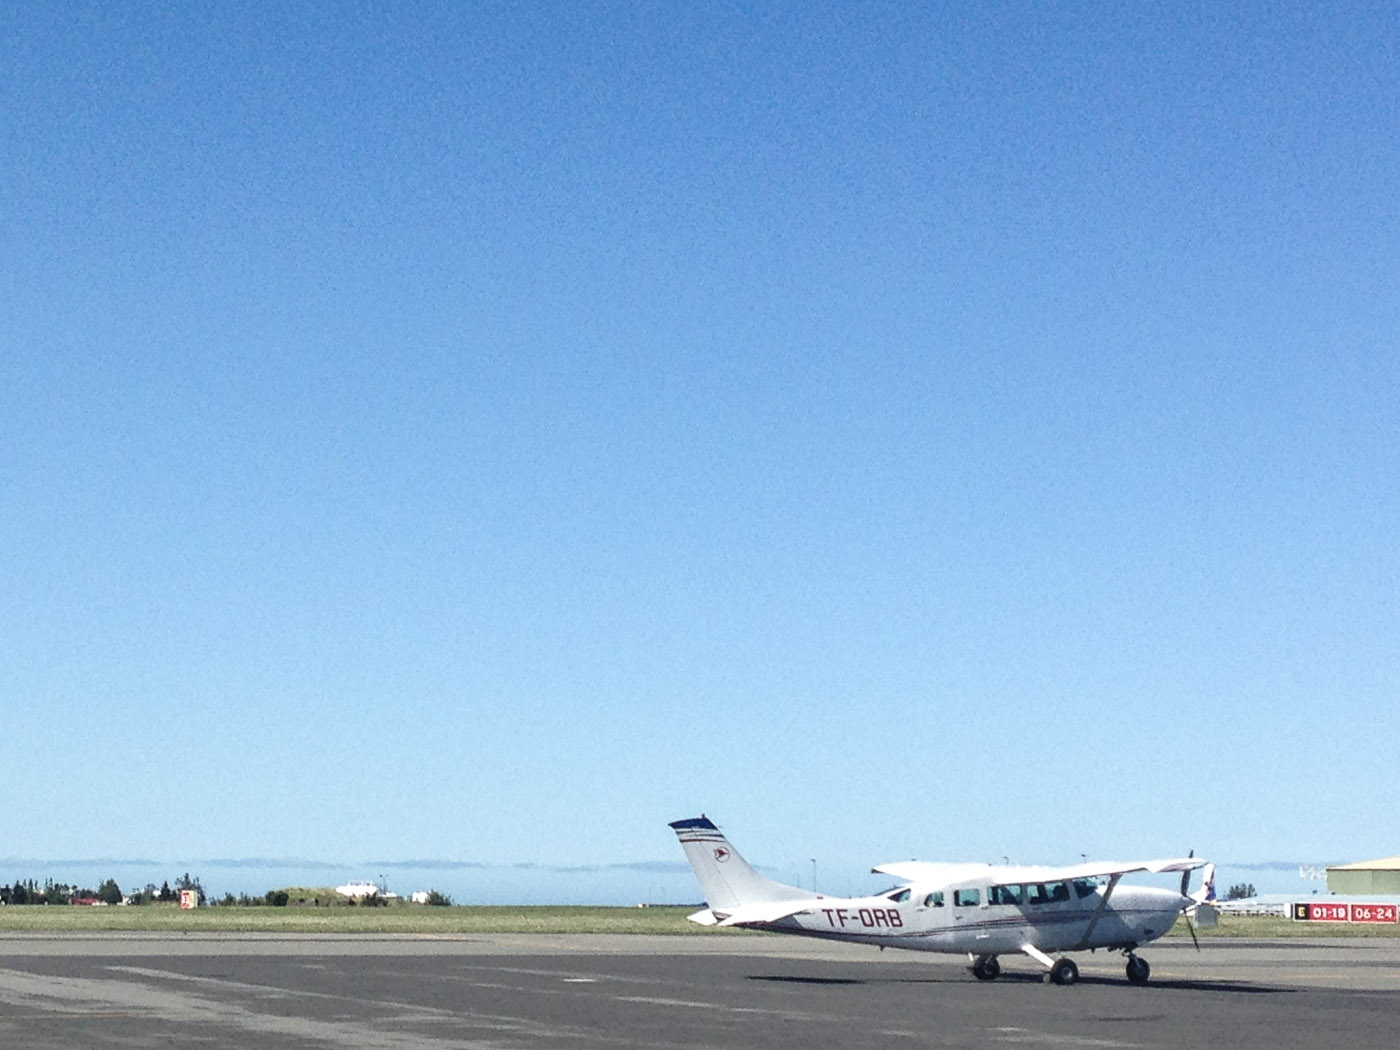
986 968
1138 969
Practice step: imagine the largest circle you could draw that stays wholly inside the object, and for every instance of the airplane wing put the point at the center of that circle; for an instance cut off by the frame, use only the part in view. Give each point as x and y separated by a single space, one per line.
931 871
745 914
924 871
1094 869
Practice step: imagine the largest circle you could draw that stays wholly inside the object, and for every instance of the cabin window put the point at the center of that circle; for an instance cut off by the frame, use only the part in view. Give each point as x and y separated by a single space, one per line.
1085 888
934 900
901 896
966 898
1047 892
1005 895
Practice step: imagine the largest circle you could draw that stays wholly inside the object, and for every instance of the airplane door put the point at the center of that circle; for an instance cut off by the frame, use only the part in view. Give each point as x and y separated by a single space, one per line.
967 903
932 910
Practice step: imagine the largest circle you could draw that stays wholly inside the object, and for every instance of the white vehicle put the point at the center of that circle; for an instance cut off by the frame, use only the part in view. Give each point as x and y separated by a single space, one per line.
982 910
358 889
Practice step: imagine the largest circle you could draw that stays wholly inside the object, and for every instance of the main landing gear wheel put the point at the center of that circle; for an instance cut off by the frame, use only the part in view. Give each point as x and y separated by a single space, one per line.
986 968
1138 970
1064 972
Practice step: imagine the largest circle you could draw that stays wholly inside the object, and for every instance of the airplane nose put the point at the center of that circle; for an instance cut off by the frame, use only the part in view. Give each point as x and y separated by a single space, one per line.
1171 900
1156 909
1166 899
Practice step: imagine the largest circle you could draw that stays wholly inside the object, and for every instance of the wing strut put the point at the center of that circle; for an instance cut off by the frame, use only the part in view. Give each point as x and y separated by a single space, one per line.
1098 912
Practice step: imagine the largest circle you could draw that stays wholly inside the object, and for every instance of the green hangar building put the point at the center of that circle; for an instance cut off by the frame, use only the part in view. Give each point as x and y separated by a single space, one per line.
1366 878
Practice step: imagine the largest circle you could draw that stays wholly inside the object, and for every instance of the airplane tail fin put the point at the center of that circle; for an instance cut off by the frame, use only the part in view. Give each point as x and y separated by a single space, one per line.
1202 908
725 877
1206 894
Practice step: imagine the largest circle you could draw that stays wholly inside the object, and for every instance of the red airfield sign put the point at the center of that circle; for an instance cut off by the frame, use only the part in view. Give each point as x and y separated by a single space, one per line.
1344 911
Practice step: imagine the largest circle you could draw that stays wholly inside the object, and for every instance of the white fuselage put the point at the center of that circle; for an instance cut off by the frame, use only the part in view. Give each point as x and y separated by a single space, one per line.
986 920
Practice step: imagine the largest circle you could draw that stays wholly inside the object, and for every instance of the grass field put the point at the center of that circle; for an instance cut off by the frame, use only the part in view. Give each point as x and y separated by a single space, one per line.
408 919
411 919
1269 927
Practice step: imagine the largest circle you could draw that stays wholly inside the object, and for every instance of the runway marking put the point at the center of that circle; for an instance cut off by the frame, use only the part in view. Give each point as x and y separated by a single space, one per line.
1026 1035
565 974
519 1027
658 1000
87 997
568 977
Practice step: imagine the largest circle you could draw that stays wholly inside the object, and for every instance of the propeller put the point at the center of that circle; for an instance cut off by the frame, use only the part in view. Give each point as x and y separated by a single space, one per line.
1191 927
1186 912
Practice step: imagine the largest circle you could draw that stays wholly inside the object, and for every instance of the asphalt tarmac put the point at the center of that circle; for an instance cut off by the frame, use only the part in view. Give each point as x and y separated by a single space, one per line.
672 993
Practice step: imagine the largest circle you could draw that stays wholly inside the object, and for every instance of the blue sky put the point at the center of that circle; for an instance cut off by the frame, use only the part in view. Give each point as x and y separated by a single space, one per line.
487 432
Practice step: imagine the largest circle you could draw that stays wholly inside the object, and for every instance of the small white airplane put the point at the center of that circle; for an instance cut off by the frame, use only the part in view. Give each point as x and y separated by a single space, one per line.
982 910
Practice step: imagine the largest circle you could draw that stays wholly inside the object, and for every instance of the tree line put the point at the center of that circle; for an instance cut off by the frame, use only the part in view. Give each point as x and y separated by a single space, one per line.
30 891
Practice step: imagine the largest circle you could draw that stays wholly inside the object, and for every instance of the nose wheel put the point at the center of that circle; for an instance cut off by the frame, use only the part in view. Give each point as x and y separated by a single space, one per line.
1138 970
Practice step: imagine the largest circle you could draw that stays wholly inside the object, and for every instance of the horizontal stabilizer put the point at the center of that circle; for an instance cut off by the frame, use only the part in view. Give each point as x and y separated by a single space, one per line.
748 914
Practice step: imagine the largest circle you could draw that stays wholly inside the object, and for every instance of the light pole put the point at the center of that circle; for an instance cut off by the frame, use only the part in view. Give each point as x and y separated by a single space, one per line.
814 874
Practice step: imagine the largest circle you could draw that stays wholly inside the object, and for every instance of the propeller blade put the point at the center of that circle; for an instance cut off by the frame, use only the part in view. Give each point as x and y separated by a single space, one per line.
1186 876
1192 927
